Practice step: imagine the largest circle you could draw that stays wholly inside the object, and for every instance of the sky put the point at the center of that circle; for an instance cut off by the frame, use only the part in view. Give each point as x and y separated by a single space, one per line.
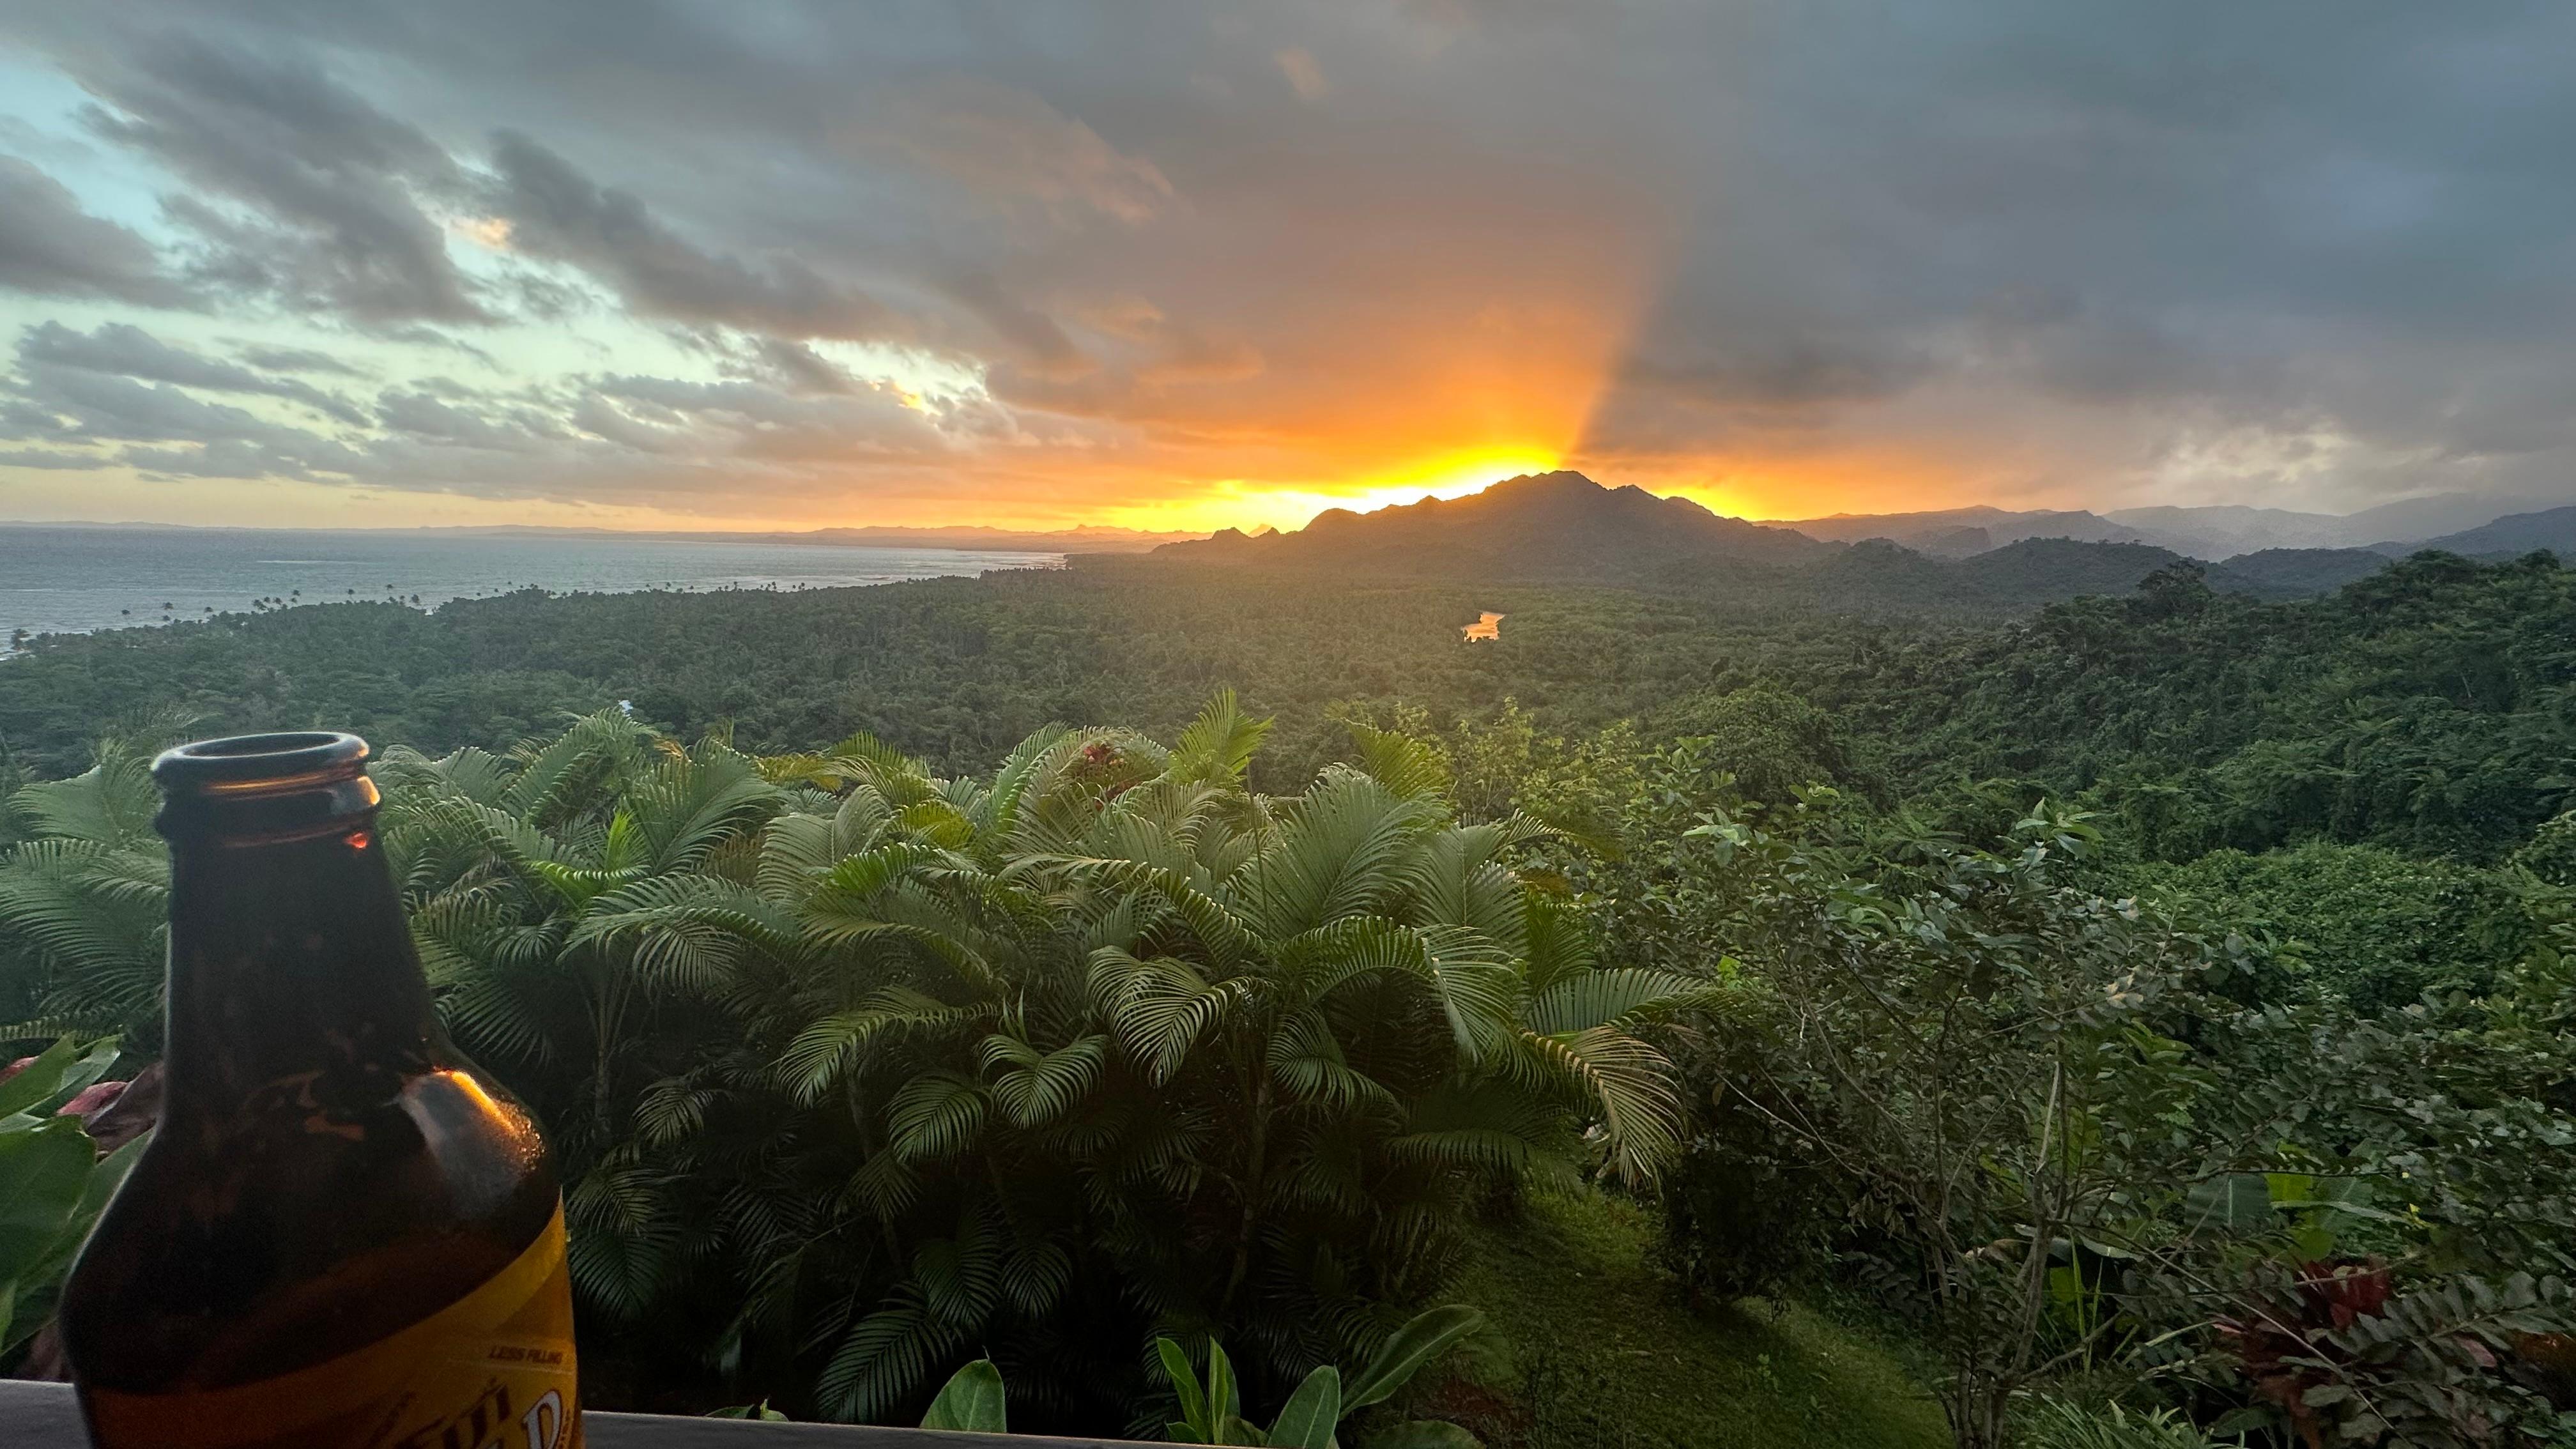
1191 265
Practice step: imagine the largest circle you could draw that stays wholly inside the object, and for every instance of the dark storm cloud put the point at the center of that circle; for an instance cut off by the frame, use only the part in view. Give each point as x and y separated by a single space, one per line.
2284 212
52 248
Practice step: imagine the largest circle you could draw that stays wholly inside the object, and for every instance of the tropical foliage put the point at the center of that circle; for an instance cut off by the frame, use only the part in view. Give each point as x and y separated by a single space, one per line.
55 1177
861 1071
1211 1411
2067 1132
2161 999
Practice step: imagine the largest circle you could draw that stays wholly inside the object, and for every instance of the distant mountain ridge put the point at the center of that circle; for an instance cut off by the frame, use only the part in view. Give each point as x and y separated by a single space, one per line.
2209 533
1538 525
2553 529
1563 527
1962 532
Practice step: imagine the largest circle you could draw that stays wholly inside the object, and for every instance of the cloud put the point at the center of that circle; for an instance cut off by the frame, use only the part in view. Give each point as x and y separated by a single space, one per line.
552 210
49 247
39 458
308 194
297 359
121 349
1007 145
117 397
1306 77
1801 258
743 419
798 369
59 403
424 415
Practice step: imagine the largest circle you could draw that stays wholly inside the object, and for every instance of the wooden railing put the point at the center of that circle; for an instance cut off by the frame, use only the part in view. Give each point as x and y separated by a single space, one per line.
43 1416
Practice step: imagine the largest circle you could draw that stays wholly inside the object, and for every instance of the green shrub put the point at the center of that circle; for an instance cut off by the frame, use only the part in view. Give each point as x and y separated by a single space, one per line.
2361 922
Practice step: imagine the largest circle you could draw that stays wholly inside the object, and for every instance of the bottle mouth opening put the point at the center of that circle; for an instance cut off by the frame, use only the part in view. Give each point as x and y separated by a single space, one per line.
247 764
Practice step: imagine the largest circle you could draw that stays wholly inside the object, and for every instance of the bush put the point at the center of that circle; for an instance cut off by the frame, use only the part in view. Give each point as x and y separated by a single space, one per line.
1747 1213
2362 923
2069 1147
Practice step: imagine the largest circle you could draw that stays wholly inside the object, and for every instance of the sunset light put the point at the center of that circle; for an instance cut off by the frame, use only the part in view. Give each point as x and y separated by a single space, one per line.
1234 503
1452 724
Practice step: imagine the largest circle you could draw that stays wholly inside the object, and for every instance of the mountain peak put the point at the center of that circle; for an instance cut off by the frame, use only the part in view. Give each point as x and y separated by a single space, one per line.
1554 524
1561 480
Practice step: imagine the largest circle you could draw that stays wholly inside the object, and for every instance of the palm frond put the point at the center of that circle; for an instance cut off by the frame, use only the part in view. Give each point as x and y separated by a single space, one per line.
1034 1090
935 1115
1158 1007
110 804
831 1048
1219 745
1306 1059
1621 999
1410 767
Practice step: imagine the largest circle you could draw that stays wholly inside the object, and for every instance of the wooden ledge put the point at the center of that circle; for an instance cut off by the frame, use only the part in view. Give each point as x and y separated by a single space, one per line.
44 1416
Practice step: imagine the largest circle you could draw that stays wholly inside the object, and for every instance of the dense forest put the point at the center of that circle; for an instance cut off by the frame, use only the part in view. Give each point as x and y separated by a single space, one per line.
2129 1005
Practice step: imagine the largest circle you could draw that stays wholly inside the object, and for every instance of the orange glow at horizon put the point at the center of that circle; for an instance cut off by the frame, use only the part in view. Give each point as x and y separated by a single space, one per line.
1244 504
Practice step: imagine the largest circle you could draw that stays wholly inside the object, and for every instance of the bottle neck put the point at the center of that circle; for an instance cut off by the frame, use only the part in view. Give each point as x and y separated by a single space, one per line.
293 983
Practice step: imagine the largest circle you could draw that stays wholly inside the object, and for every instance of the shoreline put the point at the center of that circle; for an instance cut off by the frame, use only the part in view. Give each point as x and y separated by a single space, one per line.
1036 562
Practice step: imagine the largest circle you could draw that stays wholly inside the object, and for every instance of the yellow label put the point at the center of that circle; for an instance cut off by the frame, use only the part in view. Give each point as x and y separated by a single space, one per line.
493 1370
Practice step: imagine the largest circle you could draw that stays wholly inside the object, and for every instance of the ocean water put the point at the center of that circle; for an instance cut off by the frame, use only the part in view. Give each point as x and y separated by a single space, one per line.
66 580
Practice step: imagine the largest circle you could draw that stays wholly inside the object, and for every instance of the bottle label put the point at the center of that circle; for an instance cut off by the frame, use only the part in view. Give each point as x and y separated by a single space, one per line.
493 1370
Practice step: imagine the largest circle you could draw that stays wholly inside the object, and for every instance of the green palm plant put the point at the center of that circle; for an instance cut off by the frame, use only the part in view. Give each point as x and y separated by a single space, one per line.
861 1073
1262 1050
84 898
577 907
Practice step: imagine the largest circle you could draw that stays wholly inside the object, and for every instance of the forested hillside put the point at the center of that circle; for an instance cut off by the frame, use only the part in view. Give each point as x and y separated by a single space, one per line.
2431 708
1565 528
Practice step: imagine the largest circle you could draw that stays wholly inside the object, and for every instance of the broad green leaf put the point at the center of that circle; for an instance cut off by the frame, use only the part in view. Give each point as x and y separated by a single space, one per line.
2286 1188
1407 1350
1238 1430
42 1172
104 1179
2238 1201
972 1400
92 1066
37 1080
1185 1383
1224 1396
2065 1285
760 1410
1306 1421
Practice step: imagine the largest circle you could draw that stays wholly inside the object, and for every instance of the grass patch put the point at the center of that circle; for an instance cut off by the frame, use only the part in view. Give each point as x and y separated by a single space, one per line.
1592 1348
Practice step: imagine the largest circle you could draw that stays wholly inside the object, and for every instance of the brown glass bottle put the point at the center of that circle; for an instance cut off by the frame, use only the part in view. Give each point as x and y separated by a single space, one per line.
342 1233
